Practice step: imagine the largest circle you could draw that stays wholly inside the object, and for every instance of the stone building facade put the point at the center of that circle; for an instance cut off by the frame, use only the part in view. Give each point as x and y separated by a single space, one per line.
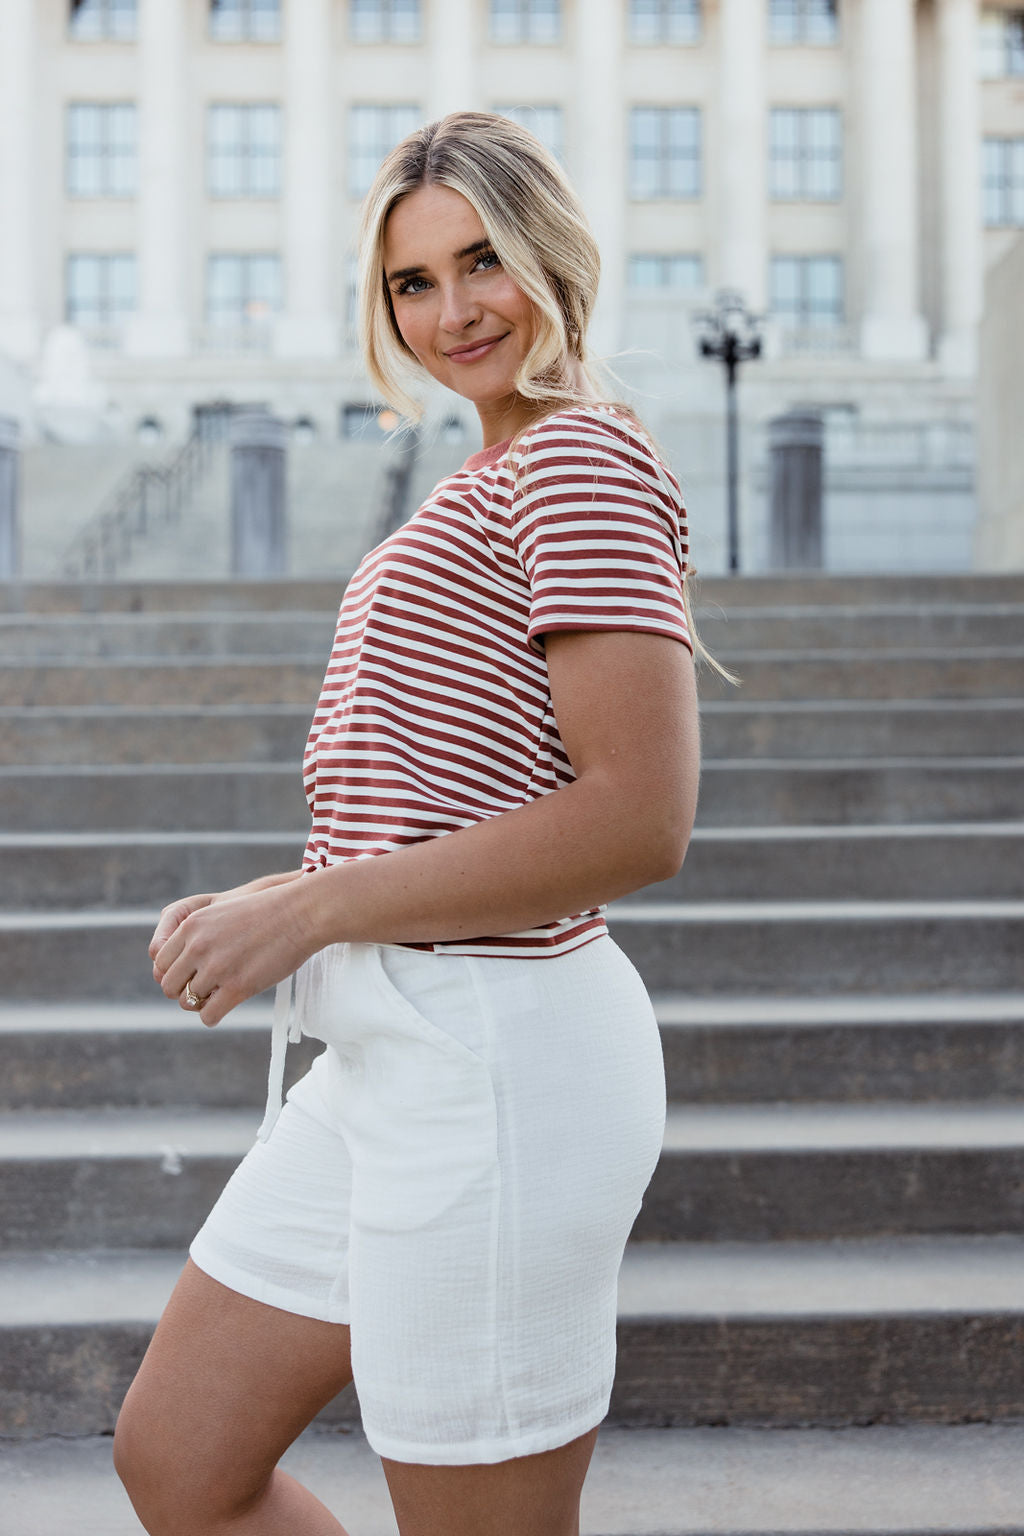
180 184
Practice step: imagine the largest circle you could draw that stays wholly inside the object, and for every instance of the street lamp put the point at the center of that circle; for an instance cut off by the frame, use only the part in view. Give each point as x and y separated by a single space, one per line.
730 333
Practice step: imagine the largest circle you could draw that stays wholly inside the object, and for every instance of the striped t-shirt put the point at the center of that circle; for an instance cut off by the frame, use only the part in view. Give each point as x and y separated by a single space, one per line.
436 712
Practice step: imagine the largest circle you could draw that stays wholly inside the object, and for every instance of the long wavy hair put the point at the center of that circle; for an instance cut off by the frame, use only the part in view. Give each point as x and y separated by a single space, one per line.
540 234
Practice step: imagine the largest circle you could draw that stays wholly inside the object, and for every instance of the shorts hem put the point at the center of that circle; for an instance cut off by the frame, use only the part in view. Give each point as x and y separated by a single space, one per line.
258 1289
483 1451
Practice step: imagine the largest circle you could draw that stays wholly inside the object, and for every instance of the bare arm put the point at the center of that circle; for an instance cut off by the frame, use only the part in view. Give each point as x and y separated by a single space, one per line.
626 707
626 710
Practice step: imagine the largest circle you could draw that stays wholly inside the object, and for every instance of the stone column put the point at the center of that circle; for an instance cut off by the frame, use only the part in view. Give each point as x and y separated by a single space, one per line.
892 324
259 477
160 326
962 269
597 152
796 443
452 72
19 143
742 192
308 327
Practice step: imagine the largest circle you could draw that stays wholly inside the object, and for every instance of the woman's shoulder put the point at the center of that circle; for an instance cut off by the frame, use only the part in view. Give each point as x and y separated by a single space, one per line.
593 422
589 435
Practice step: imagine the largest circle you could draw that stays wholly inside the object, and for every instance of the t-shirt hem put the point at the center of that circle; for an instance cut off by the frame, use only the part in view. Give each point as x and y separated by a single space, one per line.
500 947
555 626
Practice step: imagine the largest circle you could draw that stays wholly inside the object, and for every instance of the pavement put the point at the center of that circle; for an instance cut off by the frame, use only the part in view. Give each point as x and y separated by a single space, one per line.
901 1480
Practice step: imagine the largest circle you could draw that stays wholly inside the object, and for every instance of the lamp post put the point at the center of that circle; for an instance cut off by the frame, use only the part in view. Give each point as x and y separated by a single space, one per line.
730 333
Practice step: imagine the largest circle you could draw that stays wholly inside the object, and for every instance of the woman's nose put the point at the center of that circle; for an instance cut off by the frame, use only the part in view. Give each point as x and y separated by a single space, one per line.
458 310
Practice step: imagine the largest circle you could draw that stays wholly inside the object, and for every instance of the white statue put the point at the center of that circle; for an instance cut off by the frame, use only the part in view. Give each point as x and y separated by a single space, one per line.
71 405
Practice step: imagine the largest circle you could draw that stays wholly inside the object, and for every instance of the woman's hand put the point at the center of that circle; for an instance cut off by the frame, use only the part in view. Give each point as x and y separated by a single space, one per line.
177 911
231 946
173 915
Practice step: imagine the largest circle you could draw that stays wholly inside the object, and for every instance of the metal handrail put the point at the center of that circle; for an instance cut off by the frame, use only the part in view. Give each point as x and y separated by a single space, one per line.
147 496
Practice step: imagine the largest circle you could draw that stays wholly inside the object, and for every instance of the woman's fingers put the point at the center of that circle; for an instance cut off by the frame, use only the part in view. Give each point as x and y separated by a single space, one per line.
171 918
231 950
175 969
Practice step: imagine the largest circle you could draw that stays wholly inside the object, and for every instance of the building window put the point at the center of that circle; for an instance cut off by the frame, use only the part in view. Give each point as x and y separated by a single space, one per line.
369 423
245 21
1002 182
807 291
664 152
243 292
111 20
664 21
1001 42
806 154
373 132
244 150
526 21
384 21
101 149
544 122
100 293
803 21
671 271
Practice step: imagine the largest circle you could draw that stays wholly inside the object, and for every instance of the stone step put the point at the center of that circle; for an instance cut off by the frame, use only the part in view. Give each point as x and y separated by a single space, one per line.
35 636
925 626
772 589
91 870
258 679
912 1048
767 1172
226 797
138 1055
915 1048
771 1172
207 733
888 791
715 948
967 860
851 1332
962 860
868 1480
827 947
158 636
991 672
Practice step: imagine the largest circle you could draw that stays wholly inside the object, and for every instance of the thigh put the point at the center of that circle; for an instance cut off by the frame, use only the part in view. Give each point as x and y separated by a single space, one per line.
528 1496
225 1387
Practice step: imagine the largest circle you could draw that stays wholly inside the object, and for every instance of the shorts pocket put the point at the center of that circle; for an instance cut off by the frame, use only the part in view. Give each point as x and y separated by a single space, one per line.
421 1117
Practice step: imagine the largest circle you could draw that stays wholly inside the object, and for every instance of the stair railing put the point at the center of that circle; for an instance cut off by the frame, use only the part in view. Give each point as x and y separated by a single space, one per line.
148 496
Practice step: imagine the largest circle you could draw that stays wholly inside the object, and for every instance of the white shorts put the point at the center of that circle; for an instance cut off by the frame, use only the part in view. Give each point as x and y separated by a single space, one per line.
456 1178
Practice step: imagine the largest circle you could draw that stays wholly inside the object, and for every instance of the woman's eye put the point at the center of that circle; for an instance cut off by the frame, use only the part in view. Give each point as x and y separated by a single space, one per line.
488 259
408 285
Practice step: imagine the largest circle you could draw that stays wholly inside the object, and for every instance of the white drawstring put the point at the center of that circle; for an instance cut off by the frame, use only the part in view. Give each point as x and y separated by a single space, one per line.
287 1027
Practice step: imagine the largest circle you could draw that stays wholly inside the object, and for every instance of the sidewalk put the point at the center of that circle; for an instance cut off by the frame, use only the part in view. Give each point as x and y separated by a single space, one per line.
899 1480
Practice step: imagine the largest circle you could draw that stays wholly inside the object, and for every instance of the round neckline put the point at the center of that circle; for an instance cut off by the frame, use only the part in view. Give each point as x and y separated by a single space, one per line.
484 457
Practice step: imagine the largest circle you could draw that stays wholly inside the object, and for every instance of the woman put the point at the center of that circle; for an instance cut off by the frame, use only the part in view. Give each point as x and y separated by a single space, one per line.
506 740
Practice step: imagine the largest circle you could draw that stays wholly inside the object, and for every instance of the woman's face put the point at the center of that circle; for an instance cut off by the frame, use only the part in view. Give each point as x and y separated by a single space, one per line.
458 310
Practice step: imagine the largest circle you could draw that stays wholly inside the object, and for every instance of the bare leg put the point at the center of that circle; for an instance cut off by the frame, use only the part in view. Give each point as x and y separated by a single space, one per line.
226 1385
528 1496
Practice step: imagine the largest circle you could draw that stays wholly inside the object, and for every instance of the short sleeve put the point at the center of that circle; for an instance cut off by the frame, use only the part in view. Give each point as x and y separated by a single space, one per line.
599 525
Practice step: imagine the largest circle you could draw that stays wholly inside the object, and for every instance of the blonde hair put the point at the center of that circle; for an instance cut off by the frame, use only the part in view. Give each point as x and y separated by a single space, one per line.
540 234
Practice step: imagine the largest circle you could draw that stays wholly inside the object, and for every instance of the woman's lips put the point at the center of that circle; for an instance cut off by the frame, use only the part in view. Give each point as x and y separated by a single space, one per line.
470 354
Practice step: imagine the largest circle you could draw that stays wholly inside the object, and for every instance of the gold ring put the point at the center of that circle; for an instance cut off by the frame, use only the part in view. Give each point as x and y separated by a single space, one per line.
191 1001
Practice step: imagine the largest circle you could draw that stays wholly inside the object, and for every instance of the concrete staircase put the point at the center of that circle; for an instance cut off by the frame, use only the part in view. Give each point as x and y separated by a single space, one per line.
835 1234
334 495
